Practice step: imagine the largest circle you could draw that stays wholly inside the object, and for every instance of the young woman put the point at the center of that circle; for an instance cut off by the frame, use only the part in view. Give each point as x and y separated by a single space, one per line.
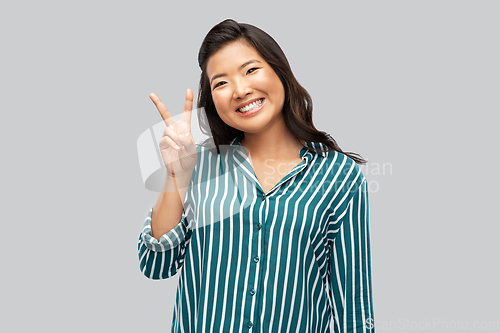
270 229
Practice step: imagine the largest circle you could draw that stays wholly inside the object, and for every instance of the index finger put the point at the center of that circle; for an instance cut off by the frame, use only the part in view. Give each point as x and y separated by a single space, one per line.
164 113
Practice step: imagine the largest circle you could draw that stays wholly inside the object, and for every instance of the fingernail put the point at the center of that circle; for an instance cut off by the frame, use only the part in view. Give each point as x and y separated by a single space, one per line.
177 147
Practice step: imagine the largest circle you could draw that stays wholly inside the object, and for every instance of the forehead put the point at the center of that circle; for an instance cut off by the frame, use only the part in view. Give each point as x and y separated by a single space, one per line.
231 57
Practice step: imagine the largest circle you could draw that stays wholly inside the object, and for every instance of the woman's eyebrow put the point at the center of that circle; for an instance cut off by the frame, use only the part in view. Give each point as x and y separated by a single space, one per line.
241 67
248 63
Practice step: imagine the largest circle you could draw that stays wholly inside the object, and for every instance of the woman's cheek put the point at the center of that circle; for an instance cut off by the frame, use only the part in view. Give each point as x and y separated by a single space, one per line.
216 99
220 107
219 97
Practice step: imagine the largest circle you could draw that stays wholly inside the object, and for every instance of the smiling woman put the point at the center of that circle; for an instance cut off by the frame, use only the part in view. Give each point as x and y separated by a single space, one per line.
297 104
270 231
241 88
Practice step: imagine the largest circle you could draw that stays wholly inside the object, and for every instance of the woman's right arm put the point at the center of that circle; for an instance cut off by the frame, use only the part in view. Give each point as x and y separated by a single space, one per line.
167 212
166 233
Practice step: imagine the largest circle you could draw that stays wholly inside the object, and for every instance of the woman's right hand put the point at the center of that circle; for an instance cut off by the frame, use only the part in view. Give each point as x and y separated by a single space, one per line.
177 145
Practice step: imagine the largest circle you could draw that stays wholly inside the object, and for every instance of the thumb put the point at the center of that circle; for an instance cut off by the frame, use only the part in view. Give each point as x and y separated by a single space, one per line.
188 143
185 139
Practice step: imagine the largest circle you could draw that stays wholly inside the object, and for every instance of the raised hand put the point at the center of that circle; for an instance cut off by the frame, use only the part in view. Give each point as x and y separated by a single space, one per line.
177 145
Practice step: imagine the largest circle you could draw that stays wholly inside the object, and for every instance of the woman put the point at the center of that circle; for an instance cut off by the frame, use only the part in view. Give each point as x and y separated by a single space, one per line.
270 229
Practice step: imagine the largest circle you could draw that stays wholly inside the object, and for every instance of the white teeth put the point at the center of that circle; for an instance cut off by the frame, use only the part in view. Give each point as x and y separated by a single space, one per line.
250 106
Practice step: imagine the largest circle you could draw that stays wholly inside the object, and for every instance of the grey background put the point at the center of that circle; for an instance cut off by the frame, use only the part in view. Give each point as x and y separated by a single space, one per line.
413 84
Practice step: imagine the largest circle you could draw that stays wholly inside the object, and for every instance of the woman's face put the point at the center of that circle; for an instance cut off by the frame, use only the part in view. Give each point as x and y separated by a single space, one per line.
247 93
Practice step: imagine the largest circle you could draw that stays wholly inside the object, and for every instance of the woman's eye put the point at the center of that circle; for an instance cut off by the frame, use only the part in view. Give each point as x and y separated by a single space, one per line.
219 84
251 70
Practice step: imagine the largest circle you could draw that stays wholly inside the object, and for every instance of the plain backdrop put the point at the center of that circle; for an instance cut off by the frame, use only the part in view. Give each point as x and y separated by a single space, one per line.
412 86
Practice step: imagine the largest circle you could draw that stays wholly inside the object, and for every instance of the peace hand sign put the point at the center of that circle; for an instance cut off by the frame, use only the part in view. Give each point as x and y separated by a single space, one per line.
177 145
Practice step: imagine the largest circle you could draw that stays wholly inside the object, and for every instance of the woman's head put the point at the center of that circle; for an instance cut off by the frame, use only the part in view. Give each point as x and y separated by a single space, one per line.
245 90
226 33
297 105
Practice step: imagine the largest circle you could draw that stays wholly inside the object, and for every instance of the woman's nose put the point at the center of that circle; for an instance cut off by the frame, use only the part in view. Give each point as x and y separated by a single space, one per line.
241 89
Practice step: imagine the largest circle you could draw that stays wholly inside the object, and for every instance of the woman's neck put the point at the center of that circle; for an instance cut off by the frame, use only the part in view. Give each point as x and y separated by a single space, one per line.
277 144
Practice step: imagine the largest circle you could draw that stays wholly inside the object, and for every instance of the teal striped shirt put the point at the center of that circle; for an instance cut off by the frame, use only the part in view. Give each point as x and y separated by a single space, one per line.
295 259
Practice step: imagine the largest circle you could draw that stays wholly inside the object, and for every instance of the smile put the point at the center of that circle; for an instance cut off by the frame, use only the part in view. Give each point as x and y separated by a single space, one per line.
250 107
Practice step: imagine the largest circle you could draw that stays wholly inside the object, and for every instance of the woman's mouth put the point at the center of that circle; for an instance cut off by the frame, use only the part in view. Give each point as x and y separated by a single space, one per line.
251 108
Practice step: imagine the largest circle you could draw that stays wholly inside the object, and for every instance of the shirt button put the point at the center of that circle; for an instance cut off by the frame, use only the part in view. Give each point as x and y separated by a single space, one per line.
252 292
256 259
259 225
263 198
249 324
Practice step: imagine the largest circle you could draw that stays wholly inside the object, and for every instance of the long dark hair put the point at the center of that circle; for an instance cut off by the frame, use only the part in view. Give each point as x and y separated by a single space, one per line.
297 108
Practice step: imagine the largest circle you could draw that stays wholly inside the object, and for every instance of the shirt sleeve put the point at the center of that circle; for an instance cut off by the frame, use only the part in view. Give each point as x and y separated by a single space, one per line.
161 258
350 264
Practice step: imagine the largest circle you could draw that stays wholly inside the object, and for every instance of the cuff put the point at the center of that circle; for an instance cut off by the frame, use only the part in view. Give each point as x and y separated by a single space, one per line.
168 241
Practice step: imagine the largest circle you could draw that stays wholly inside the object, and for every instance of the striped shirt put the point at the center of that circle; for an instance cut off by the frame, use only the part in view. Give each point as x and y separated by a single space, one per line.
295 259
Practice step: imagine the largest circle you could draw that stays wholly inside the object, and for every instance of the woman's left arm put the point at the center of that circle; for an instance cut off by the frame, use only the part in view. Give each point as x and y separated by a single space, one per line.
350 264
